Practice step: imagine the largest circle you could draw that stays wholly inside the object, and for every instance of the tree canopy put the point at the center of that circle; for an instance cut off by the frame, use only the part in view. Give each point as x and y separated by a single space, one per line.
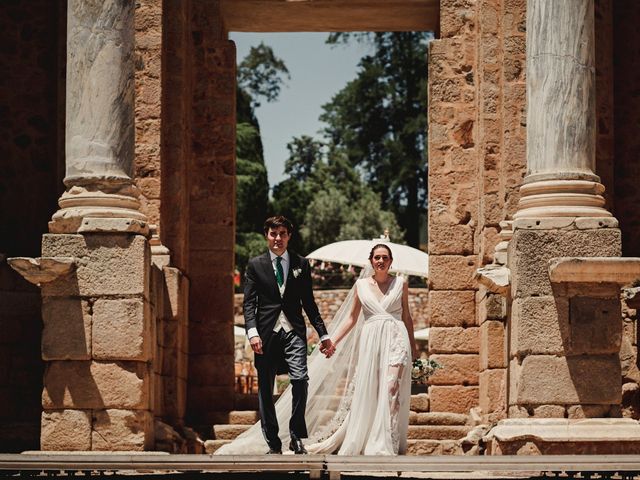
378 120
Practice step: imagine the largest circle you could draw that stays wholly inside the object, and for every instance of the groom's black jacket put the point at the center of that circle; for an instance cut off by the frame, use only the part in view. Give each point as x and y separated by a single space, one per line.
262 301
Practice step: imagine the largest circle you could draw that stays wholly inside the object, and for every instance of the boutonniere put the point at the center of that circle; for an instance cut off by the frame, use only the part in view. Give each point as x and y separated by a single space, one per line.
296 272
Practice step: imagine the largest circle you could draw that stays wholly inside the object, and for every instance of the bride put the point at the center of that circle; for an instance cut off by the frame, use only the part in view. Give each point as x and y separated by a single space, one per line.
358 401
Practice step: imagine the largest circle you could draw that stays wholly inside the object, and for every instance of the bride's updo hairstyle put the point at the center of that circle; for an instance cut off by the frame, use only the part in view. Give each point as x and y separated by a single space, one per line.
380 245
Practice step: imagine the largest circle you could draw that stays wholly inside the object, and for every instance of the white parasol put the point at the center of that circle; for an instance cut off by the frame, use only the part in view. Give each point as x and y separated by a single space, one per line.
408 260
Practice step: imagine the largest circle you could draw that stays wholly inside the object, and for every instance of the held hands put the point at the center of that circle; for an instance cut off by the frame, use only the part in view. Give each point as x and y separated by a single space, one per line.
256 344
328 348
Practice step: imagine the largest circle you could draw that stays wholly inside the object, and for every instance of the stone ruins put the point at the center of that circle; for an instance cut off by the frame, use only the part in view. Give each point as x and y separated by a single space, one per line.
117 207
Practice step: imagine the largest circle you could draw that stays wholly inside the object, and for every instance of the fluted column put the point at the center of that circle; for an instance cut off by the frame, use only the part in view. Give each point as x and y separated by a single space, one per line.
561 114
99 120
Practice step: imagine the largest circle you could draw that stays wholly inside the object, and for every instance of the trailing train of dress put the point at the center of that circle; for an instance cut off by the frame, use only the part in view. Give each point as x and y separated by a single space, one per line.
358 400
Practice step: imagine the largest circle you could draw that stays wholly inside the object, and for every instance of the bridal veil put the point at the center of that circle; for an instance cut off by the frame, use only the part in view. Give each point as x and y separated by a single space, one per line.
329 395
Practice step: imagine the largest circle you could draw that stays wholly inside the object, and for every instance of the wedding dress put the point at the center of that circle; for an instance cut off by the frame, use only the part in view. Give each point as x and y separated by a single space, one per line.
358 401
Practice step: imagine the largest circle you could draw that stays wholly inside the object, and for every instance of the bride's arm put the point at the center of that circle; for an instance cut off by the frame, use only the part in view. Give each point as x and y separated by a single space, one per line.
406 318
348 324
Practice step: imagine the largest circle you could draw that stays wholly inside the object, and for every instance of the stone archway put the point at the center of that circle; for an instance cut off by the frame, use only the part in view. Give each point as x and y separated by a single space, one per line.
199 167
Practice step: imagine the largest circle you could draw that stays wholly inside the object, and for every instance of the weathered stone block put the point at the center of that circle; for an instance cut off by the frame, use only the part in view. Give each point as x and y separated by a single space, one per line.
420 402
492 345
492 390
530 251
549 411
206 370
438 432
453 340
490 306
450 308
438 418
455 399
588 411
450 239
115 430
207 337
96 385
121 329
112 264
65 430
536 327
457 370
452 272
67 329
176 288
595 325
550 380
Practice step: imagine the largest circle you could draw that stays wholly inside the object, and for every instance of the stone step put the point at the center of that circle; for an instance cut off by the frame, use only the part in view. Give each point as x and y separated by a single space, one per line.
243 417
228 432
211 446
437 432
433 447
420 402
437 418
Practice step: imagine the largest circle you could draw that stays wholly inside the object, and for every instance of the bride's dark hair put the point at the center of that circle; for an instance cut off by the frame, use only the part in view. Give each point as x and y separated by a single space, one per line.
380 245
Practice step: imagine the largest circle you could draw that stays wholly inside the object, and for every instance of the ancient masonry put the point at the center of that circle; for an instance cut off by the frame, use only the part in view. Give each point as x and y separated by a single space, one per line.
116 296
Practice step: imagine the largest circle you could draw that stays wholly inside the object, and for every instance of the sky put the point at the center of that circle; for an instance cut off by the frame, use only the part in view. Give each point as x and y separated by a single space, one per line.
317 70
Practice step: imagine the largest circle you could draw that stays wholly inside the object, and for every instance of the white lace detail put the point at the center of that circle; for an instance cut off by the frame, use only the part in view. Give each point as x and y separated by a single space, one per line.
338 418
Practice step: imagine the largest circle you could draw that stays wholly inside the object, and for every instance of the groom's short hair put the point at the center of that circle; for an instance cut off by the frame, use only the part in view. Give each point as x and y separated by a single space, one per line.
278 221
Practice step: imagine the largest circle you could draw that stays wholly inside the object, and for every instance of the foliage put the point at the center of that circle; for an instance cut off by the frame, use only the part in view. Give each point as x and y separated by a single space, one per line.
260 76
378 120
326 196
252 184
248 245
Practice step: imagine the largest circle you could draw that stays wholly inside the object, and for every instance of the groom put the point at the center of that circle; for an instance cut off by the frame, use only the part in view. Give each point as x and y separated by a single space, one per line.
277 288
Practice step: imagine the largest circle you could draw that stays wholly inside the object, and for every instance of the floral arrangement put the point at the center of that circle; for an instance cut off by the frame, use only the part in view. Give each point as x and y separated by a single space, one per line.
422 369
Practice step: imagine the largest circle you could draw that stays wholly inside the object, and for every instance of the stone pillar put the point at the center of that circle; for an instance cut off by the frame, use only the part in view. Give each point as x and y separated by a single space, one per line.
99 143
563 339
561 113
98 337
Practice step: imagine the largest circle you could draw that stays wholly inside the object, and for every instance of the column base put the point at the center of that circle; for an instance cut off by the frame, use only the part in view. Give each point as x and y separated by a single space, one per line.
86 209
560 436
541 198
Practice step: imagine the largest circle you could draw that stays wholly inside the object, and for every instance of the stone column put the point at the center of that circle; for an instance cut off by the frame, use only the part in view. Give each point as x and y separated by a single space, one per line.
561 112
98 339
564 337
99 141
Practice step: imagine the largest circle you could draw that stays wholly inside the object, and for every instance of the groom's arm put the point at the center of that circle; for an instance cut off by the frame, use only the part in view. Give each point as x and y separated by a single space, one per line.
250 307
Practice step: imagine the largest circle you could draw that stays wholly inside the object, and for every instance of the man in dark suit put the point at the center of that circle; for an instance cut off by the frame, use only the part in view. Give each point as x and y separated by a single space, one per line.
277 288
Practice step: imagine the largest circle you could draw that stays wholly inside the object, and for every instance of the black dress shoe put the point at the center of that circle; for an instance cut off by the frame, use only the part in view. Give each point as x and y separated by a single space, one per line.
273 451
297 446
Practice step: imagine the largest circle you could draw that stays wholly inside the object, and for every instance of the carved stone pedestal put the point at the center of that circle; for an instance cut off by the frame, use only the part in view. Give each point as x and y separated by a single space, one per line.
97 343
558 436
563 352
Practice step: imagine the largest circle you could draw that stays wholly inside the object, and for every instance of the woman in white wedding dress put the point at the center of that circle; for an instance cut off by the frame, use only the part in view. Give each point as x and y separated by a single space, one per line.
358 400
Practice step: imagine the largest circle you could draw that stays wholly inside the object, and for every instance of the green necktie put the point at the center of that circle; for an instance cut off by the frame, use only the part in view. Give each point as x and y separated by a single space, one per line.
279 271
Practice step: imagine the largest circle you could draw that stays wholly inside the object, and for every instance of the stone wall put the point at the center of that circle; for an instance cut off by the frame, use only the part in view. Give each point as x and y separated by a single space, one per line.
477 160
454 206
501 166
148 97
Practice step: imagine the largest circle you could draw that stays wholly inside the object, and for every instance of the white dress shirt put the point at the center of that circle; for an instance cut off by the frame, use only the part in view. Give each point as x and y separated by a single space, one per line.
282 322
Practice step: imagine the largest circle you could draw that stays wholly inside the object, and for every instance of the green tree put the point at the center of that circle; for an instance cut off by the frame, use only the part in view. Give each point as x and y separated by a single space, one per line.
326 197
379 121
260 77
